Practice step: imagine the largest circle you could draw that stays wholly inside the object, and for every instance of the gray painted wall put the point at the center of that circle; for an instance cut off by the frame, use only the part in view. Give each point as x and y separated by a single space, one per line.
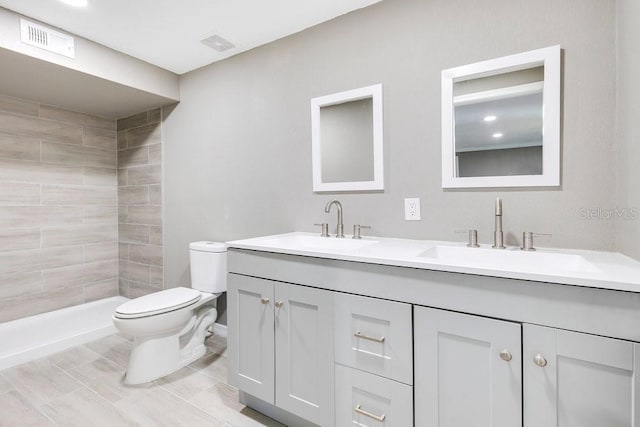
628 111
238 146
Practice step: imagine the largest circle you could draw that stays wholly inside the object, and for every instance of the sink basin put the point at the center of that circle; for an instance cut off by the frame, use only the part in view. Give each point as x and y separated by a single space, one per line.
316 243
509 259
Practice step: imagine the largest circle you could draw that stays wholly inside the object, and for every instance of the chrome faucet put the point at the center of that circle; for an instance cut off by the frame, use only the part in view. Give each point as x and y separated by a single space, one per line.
340 226
498 237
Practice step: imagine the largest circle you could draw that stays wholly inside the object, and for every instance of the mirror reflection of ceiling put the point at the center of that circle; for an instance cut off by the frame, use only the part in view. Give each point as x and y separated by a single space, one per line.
501 80
517 123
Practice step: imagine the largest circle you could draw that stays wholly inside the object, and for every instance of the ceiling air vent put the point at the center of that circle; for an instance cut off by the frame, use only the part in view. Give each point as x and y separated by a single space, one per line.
45 38
218 43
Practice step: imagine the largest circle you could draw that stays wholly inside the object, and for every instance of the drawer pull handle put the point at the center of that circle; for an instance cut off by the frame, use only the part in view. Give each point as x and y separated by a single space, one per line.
379 418
358 334
264 300
279 304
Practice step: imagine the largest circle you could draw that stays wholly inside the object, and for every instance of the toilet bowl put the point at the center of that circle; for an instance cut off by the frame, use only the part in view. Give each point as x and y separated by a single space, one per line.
169 327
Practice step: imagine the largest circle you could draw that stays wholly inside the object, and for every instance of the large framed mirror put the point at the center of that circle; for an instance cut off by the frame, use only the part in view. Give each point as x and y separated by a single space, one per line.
346 136
501 122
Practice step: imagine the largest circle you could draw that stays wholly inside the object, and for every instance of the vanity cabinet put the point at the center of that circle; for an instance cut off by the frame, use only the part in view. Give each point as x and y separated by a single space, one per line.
579 380
286 329
468 370
415 347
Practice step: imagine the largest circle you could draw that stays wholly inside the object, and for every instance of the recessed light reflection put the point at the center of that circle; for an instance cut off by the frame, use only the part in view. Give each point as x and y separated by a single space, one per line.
497 135
75 3
489 118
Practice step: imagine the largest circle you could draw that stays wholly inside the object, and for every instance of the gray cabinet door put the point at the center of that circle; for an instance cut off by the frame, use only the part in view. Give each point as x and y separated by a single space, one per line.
468 370
251 336
579 380
304 352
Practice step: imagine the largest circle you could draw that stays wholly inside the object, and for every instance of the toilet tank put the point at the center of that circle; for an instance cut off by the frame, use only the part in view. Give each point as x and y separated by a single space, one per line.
208 266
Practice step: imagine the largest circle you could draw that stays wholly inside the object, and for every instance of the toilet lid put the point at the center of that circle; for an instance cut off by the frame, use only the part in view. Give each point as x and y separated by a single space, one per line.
157 303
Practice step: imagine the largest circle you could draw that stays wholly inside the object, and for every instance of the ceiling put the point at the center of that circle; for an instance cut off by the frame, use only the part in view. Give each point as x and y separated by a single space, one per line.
23 76
167 33
517 119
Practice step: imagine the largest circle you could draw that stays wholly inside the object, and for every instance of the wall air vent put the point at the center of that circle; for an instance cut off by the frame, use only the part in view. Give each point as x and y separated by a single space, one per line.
218 43
45 38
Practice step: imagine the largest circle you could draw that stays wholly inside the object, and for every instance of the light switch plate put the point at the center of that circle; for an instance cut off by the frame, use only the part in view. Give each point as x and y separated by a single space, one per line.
412 209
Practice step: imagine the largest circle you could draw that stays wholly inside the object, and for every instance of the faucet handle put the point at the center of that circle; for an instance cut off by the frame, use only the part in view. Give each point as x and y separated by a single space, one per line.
473 237
325 229
357 228
527 240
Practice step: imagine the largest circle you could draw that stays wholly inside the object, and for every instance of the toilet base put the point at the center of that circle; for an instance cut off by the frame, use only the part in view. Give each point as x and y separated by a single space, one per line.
152 358
155 357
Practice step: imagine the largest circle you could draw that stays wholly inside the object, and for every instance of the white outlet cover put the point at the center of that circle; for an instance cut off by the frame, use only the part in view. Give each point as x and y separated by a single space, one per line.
412 209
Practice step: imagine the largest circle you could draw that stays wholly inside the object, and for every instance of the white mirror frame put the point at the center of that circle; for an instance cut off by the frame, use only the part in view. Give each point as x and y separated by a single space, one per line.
548 57
375 93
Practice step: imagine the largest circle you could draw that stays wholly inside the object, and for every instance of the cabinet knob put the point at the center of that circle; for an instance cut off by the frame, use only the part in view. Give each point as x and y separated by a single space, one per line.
279 304
265 300
540 361
505 355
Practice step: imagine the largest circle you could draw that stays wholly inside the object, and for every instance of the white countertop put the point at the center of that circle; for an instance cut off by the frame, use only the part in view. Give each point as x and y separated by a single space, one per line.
607 270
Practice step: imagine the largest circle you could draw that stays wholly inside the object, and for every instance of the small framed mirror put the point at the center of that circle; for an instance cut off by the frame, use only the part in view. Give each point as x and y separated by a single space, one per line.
346 136
501 122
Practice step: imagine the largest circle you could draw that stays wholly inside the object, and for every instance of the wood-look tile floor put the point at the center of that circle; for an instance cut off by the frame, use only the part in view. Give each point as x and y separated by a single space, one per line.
82 386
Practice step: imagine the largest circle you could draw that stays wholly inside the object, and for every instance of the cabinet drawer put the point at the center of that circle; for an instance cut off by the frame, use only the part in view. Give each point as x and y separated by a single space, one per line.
368 400
374 335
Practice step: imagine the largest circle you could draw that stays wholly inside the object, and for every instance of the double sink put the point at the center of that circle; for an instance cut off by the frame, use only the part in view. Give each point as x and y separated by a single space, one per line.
428 253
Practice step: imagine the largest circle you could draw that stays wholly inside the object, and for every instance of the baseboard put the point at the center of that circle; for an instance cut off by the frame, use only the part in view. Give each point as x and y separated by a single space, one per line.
286 418
220 330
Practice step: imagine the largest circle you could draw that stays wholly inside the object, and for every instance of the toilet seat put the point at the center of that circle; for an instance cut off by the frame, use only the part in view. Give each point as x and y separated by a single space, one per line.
158 303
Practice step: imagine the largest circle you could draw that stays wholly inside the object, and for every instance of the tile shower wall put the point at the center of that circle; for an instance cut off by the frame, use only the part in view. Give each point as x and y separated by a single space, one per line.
58 208
140 203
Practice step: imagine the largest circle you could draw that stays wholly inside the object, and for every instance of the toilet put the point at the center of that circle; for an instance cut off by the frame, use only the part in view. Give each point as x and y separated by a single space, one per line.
169 327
